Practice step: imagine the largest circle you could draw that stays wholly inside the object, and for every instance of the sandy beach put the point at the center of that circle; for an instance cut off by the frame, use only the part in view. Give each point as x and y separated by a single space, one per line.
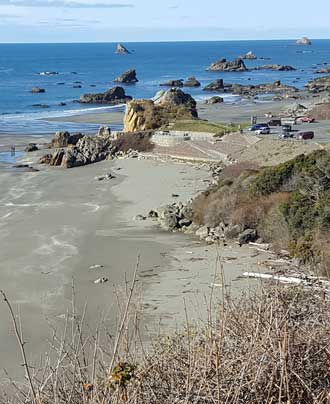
57 223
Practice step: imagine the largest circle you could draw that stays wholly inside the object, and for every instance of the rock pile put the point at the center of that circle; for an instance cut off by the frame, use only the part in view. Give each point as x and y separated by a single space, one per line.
224 65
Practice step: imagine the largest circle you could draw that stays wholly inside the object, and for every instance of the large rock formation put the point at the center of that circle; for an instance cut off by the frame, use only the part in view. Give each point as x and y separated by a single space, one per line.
113 96
64 139
252 90
121 50
275 67
224 65
191 82
129 77
172 83
304 41
318 85
170 105
216 85
89 149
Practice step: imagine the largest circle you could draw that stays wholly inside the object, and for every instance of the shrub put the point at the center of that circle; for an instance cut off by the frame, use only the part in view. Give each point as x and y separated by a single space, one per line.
139 141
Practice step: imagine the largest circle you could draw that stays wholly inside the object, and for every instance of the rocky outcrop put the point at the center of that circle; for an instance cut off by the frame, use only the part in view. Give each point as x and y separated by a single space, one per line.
248 56
252 90
37 90
216 85
224 65
275 67
121 50
319 85
113 96
65 139
172 83
129 77
88 150
191 82
176 217
304 41
325 70
46 159
214 100
170 105
31 147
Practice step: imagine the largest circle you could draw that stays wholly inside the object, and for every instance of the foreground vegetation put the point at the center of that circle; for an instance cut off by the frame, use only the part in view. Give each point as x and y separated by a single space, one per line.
269 347
288 205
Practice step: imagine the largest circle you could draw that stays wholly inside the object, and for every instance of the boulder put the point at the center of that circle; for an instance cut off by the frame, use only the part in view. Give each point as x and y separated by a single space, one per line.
248 235
114 96
191 82
172 83
37 90
216 85
202 232
232 231
224 65
129 77
214 100
177 97
31 147
104 131
57 158
121 50
168 221
46 159
64 139
304 41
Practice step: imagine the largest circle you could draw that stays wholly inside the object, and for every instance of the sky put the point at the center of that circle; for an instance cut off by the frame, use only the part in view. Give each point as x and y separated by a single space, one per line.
160 20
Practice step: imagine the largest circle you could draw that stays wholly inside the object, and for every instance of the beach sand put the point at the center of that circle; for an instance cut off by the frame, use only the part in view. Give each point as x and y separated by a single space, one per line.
56 223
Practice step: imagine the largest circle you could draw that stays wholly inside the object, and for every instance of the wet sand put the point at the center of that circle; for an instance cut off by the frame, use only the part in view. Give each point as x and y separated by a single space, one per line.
56 223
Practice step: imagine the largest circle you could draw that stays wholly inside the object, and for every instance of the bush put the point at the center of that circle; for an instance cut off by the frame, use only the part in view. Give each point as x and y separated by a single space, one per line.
139 141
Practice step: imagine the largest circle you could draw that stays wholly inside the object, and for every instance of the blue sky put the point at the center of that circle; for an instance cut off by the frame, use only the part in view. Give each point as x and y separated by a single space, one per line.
152 20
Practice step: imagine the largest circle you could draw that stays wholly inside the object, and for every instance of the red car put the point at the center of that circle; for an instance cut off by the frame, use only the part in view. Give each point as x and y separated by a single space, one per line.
306 119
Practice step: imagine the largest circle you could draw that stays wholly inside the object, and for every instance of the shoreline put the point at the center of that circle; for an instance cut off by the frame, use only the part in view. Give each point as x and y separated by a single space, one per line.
64 221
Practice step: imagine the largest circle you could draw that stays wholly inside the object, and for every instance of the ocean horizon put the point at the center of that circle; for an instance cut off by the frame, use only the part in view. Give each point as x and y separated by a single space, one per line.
92 67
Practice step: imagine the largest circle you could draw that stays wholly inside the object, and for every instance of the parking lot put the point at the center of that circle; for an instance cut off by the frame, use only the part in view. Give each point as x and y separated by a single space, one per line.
321 130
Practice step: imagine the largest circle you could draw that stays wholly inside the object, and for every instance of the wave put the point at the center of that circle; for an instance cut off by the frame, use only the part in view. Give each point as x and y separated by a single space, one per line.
59 113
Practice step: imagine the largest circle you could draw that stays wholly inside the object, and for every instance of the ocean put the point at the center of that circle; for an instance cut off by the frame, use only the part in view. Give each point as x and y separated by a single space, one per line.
95 66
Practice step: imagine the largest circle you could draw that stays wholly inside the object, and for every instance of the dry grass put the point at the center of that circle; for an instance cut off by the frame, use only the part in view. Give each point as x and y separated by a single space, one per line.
269 347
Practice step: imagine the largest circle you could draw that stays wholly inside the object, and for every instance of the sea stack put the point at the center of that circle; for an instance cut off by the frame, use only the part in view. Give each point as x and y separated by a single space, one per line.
304 41
121 50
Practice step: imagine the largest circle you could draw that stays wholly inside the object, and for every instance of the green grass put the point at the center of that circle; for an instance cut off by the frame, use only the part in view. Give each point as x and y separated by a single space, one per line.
195 125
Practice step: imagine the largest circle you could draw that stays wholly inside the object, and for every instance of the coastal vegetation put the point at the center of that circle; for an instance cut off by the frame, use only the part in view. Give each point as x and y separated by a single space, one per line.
288 205
268 346
193 125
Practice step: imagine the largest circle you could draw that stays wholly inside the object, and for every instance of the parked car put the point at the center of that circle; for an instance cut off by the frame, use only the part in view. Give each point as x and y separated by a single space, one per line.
285 135
259 126
262 131
306 119
286 128
275 122
305 135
